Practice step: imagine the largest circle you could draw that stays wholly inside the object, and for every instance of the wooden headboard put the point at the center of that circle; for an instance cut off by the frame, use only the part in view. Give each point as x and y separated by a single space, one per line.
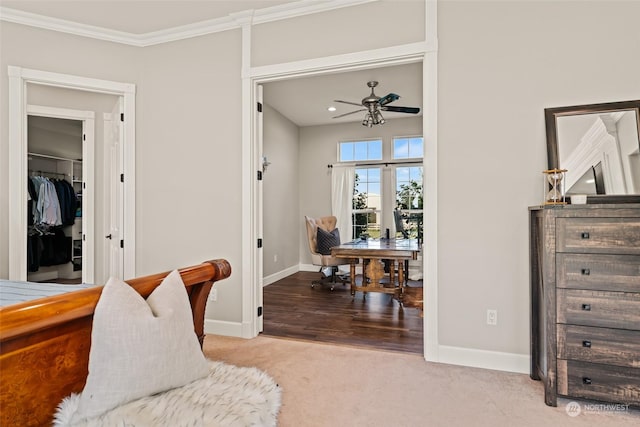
44 343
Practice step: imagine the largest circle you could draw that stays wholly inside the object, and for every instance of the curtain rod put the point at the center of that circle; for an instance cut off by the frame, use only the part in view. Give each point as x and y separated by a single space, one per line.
404 162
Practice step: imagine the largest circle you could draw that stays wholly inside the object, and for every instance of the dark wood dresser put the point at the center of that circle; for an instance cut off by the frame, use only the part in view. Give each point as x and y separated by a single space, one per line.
585 301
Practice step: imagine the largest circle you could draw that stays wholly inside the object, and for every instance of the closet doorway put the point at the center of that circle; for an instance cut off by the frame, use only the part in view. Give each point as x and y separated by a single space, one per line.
60 208
113 105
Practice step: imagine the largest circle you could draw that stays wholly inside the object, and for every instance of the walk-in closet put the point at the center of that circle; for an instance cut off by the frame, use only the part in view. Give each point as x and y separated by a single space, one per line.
54 202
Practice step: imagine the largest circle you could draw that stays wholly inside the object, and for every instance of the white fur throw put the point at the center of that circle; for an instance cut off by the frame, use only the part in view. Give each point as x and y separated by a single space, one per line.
228 396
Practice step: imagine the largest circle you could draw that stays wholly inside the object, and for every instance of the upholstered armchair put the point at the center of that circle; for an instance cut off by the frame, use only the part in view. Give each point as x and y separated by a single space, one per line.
321 249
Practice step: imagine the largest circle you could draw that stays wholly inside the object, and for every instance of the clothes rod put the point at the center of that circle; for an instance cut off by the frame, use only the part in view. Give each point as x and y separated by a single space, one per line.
405 162
46 156
47 172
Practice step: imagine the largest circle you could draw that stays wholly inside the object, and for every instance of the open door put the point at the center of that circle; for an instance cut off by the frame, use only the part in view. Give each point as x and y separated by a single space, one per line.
88 201
259 207
113 156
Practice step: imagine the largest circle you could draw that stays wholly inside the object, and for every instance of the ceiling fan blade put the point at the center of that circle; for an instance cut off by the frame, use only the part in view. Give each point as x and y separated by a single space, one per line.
346 114
410 110
347 102
388 98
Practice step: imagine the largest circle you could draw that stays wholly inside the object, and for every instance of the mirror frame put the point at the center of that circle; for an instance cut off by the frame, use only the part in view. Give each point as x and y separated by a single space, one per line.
550 117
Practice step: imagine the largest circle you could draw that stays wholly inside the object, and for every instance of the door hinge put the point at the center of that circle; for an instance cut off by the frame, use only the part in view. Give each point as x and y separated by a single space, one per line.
84 136
259 311
122 117
84 237
121 177
122 244
259 175
259 107
259 243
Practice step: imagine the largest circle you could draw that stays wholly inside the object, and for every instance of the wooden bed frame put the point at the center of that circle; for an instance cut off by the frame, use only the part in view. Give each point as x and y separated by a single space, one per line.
44 343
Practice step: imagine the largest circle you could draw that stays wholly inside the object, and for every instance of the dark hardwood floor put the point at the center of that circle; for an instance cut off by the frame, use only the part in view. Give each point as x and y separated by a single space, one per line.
292 309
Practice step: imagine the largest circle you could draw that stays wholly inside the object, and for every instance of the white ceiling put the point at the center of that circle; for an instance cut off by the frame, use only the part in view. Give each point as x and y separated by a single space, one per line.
304 101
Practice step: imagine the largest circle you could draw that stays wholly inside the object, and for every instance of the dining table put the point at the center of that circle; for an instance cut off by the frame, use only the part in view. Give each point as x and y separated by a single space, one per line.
374 253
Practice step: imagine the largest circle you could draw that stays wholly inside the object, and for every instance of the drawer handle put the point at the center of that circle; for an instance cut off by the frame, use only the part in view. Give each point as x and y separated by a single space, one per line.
586 307
586 343
586 380
585 271
584 235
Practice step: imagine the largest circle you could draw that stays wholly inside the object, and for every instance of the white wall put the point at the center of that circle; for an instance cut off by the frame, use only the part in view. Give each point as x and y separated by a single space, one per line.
351 29
39 49
187 142
500 64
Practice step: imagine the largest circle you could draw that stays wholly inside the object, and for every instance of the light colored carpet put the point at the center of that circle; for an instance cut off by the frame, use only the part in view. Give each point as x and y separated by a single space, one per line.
327 385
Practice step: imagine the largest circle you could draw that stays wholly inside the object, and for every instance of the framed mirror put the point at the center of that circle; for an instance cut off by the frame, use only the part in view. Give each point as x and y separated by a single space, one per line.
599 146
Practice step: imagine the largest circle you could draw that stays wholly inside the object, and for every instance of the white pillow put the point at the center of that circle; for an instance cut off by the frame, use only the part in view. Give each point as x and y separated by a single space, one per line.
140 347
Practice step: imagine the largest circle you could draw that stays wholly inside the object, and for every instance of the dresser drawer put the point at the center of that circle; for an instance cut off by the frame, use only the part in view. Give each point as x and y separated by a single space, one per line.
598 272
600 382
619 310
599 345
598 235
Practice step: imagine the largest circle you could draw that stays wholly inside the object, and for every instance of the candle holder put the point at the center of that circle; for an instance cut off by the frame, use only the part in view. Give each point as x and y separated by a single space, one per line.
554 187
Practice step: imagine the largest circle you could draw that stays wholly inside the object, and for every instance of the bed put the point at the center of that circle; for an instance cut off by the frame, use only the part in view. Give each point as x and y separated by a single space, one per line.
44 343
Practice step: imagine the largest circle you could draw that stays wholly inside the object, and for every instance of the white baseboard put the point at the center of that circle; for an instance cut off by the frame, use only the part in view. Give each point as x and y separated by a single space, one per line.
485 359
279 275
221 327
308 267
496 360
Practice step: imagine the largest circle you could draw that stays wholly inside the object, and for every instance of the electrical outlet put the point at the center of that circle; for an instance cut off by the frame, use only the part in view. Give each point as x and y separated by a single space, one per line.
492 317
213 295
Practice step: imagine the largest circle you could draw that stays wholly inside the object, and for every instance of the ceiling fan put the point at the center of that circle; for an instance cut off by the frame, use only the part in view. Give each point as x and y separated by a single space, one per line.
373 104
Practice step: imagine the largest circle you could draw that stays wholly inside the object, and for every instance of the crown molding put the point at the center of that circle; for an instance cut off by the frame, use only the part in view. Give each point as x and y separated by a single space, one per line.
301 8
257 16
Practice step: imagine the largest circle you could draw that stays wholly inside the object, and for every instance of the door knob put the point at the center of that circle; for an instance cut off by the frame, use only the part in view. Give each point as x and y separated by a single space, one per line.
108 236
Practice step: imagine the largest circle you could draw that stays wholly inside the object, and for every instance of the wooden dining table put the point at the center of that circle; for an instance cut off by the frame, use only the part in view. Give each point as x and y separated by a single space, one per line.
373 252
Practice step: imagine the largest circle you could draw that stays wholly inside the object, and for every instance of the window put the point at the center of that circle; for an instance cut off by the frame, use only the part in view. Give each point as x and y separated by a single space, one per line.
408 148
367 199
399 172
360 150
409 185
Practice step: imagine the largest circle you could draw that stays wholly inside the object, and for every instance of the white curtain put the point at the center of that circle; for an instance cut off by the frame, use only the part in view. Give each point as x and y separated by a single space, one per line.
342 180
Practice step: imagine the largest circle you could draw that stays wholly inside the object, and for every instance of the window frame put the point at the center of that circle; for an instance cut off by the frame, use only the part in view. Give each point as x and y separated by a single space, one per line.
387 166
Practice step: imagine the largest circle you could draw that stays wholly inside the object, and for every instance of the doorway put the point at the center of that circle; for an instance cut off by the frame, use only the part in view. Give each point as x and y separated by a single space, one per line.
332 65
60 156
299 179
23 84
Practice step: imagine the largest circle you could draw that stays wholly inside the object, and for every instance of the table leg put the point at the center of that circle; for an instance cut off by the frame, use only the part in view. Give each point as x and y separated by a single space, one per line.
352 276
392 272
401 274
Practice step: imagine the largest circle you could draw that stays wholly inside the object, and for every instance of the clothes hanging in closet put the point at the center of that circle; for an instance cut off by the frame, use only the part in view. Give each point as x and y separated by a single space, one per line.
51 205
53 202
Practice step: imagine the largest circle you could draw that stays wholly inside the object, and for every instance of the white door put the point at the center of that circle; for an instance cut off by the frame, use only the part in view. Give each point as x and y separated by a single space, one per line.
115 218
259 208
88 200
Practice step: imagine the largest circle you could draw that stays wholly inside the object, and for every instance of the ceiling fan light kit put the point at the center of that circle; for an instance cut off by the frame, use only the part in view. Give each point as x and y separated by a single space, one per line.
373 104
